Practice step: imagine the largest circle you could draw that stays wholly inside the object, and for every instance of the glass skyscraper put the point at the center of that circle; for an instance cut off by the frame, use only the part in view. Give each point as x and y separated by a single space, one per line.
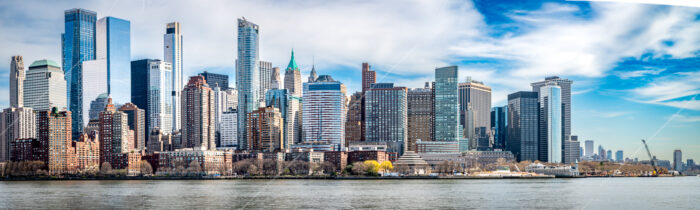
151 83
247 76
499 123
288 106
565 86
173 55
78 45
446 104
386 116
551 142
114 45
523 127
324 111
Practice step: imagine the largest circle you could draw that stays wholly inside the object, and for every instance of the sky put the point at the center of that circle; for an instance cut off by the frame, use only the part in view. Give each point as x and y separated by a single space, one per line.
634 63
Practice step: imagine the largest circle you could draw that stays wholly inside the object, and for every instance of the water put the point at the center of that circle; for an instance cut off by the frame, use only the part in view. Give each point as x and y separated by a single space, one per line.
588 193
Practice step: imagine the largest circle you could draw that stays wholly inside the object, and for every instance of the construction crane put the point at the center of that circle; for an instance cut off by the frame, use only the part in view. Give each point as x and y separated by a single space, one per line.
651 159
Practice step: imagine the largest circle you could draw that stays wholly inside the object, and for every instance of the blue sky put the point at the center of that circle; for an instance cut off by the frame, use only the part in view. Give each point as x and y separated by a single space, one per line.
635 66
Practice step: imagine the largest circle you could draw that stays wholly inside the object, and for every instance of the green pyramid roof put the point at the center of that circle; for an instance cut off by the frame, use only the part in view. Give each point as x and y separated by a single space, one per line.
293 63
44 62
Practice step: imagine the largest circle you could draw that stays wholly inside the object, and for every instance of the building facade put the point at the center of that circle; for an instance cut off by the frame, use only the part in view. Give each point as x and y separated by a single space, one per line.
78 45
369 77
17 77
353 124
15 123
551 142
45 86
324 111
499 125
214 80
265 129
173 55
386 116
677 160
420 104
478 96
94 77
523 125
54 131
229 128
114 136
265 78
198 126
565 86
113 45
137 123
247 75
446 104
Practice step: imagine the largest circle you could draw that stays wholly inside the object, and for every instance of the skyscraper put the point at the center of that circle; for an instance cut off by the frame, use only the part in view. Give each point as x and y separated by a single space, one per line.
265 78
275 81
551 142
446 104
499 124
151 89
523 125
247 76
292 77
677 160
229 128
312 75
94 77
368 78
420 104
137 122
324 111
214 80
54 134
113 44
219 108
288 106
478 95
15 123
589 148
45 86
386 116
571 152
265 130
198 126
78 43
114 136
97 105
565 86
292 82
17 81
173 55
619 156
353 123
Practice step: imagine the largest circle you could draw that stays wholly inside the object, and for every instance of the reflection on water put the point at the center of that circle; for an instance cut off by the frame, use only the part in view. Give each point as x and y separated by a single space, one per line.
589 193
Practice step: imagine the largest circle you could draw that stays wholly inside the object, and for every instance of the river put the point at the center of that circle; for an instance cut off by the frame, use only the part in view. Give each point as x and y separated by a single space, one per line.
581 193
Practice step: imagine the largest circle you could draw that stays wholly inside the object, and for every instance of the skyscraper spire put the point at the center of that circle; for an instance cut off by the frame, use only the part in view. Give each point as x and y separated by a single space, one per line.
292 63
313 76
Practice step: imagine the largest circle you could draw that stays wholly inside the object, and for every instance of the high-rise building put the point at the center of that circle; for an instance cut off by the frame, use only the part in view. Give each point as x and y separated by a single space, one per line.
265 130
619 156
247 75
216 80
523 125
198 126
499 125
293 84
565 86
114 136
54 131
601 153
17 81
478 95
275 81
589 148
386 116
231 98
313 75
265 71
446 104
551 142
324 111
677 160
94 74
97 105
420 104
369 77
609 155
137 122
151 89
571 152
288 106
15 123
173 55
45 86
229 128
78 44
219 108
353 123
113 44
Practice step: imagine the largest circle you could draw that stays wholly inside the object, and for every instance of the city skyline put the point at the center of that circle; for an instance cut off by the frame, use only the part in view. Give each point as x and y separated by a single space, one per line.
659 78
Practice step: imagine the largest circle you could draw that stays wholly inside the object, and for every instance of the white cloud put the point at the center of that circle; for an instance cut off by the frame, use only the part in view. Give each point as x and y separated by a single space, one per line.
678 90
639 73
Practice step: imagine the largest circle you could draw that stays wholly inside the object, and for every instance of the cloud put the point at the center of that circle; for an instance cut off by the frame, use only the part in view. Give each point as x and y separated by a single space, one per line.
678 90
639 73
659 2
687 119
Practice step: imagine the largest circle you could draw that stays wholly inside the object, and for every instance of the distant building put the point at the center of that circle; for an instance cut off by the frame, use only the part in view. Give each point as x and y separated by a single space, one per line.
216 80
523 127
619 156
324 111
94 86
247 75
292 82
137 123
589 148
229 128
571 152
386 116
362 156
499 124
198 126
369 77
159 141
151 90
565 93
550 124
353 124
478 96
114 136
97 105
609 155
420 103
54 131
338 158
78 50
677 160
45 86
437 147
446 104
87 151
17 77
288 105
172 40
265 130
265 71
113 45
15 123
211 162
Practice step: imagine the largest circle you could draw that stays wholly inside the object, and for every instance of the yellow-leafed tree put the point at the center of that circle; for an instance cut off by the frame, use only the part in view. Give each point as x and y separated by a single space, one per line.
372 166
386 166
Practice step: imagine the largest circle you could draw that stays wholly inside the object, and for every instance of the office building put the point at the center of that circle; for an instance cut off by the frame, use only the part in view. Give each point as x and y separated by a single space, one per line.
437 147
420 104
288 106
609 156
313 75
87 151
386 116
45 86
324 111
565 86
247 75
275 81
499 125
15 123
97 105
113 45
17 77
265 130
151 90
353 124
54 131
94 74
198 126
551 142
173 56
589 148
265 78
478 96
231 98
619 156
369 77
159 142
293 84
114 136
137 122
78 45
523 125
677 160
446 104
216 80
228 130
571 151
219 108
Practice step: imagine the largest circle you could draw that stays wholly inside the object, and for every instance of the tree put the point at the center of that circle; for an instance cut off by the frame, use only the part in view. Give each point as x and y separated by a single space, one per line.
298 167
359 168
270 167
328 167
372 166
194 168
106 169
386 166
253 170
146 168
403 169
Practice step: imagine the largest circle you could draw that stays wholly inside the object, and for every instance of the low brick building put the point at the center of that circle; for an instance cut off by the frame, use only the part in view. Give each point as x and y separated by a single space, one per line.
361 156
338 158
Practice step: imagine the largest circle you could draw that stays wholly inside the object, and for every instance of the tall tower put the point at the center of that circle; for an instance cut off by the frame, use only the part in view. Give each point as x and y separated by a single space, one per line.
17 81
387 116
265 79
313 75
477 95
324 111
565 86
292 82
46 86
113 44
368 78
275 78
198 126
247 76
78 44
173 55
446 104
551 143
523 132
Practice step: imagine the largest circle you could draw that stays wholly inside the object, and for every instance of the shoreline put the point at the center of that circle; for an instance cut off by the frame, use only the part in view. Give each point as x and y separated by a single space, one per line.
290 177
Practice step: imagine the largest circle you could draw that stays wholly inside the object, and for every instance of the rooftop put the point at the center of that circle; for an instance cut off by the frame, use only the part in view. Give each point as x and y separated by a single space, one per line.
44 62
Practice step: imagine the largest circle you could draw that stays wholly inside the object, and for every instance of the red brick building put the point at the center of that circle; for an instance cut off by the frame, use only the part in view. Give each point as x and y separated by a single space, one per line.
54 130
338 158
87 149
361 156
